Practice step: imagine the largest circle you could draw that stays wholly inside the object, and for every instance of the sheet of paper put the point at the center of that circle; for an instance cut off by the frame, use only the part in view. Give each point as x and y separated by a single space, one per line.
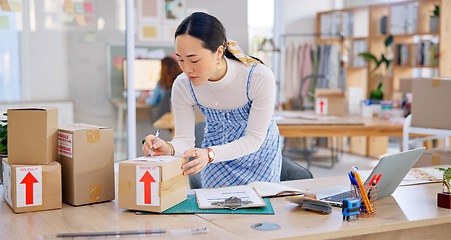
423 175
205 197
269 189
158 158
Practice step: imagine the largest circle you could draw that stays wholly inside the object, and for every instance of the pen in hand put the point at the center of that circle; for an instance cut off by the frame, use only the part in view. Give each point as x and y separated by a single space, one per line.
154 141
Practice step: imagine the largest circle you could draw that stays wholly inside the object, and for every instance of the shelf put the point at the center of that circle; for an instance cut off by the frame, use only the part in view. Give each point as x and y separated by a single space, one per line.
410 67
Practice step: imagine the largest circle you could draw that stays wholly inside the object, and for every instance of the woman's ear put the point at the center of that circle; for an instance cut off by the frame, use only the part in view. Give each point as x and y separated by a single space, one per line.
220 51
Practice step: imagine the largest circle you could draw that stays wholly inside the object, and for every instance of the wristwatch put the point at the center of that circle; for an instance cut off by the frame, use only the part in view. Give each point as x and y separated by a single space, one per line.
211 155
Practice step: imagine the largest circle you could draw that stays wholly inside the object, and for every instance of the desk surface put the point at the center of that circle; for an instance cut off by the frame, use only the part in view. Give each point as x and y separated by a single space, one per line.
408 208
410 211
102 217
301 127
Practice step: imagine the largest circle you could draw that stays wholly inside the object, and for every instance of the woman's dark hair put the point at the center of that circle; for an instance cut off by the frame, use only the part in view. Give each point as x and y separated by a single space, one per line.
208 29
170 69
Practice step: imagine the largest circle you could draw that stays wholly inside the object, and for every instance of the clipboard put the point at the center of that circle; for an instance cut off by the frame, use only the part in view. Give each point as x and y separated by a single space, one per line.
229 197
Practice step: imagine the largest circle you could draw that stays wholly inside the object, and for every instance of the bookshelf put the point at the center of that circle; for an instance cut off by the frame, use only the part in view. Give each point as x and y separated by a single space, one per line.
416 51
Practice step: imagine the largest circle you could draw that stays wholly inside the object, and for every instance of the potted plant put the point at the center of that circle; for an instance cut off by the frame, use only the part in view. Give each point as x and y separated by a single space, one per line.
444 198
434 19
3 144
3 138
384 60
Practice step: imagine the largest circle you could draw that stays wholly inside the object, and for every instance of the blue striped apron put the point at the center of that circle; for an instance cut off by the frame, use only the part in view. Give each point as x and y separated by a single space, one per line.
225 126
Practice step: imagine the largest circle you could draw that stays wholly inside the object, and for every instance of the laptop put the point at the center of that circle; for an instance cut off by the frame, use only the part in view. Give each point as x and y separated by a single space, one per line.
393 168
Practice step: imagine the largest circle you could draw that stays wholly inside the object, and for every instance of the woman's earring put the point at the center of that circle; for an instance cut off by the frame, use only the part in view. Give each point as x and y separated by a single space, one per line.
219 66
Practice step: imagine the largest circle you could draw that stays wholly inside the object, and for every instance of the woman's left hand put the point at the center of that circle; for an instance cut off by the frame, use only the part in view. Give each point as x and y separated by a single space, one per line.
198 163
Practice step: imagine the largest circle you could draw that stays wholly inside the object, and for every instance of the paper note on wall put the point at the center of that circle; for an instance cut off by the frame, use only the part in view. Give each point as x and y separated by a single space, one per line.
4 22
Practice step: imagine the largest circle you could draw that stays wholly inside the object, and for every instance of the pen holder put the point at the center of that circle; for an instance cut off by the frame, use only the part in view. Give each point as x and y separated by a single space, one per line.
371 192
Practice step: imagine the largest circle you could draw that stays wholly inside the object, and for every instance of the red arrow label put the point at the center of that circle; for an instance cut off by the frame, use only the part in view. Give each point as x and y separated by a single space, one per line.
321 104
147 179
28 180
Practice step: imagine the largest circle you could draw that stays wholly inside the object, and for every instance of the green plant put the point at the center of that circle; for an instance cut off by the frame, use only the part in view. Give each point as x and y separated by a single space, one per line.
436 11
383 60
446 178
3 137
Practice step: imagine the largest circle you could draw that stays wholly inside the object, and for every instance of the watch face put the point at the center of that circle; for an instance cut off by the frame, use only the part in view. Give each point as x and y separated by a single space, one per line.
211 154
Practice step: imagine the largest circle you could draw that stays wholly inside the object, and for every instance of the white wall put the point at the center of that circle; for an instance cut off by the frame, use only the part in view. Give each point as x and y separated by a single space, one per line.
61 65
355 3
43 59
231 13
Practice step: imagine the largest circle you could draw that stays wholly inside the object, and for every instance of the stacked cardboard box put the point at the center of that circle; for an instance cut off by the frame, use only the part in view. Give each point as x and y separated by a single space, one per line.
330 102
86 155
151 183
429 103
31 175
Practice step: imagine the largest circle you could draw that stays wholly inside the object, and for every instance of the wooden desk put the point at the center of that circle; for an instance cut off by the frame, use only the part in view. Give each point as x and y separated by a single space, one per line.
295 127
103 217
411 213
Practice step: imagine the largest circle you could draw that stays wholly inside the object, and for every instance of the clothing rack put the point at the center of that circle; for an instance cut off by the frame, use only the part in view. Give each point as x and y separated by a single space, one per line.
282 39
308 151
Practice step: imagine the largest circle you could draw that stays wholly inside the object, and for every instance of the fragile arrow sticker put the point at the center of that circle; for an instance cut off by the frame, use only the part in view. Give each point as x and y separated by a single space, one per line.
321 106
147 185
29 186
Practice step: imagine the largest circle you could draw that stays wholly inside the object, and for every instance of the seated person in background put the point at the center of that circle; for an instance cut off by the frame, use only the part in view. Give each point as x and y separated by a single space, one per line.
161 96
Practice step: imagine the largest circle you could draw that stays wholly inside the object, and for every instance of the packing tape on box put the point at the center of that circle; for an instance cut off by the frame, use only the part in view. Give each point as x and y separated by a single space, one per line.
435 159
93 136
435 83
95 193
172 184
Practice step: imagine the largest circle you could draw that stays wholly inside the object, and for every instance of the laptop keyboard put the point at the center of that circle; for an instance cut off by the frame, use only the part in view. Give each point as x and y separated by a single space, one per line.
337 197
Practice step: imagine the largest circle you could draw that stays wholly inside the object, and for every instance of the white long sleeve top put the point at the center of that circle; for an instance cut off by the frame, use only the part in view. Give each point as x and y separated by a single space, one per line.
226 94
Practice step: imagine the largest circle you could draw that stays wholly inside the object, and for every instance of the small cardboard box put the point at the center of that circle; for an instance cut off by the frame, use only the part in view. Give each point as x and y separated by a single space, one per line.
435 157
405 85
430 97
330 102
151 184
29 188
86 154
32 136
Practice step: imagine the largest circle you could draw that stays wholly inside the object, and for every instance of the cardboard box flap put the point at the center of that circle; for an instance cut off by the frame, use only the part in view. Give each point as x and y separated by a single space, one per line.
328 92
33 108
170 165
80 127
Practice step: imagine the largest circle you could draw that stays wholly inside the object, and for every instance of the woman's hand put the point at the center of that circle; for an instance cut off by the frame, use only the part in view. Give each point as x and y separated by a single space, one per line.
154 146
198 163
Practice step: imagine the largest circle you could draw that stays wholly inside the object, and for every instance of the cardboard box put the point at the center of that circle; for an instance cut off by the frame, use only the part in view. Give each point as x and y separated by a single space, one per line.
151 183
435 157
86 154
32 136
29 188
430 100
330 102
405 85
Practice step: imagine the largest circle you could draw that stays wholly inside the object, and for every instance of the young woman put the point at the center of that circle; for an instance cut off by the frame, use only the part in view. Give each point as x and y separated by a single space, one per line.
169 71
236 95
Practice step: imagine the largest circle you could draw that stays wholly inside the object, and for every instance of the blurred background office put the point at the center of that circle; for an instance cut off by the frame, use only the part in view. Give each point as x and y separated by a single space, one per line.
71 53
